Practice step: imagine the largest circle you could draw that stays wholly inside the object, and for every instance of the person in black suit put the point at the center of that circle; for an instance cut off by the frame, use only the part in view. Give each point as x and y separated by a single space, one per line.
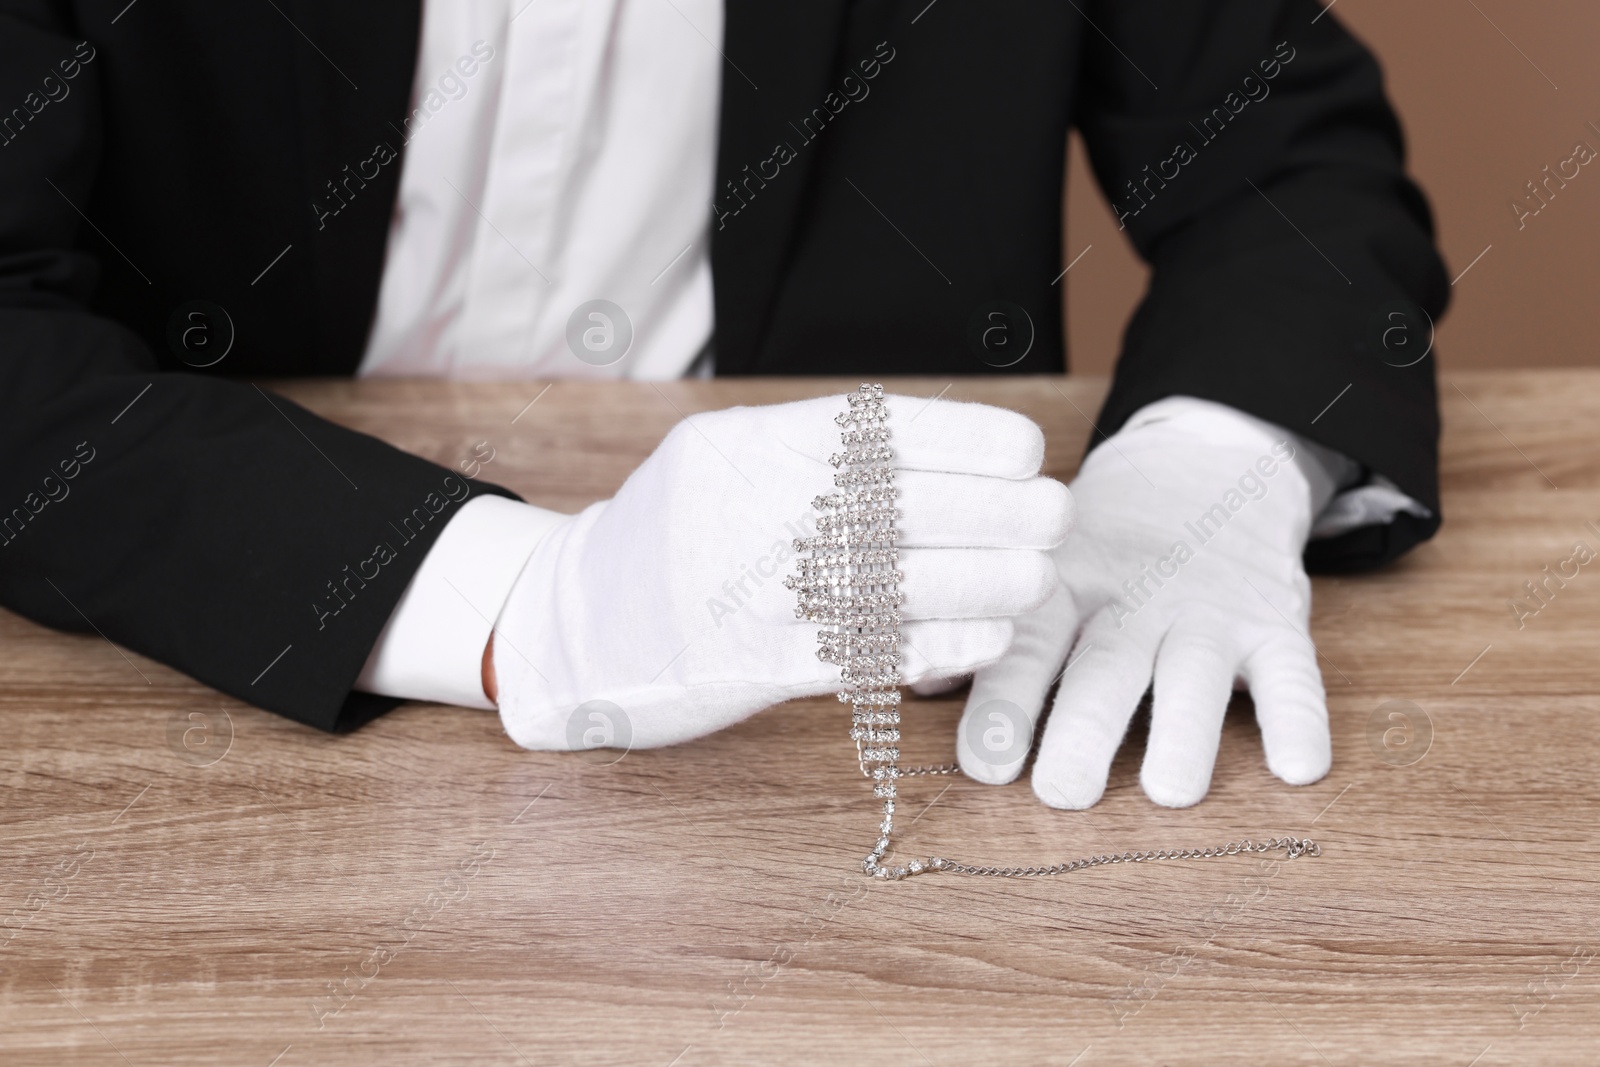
155 159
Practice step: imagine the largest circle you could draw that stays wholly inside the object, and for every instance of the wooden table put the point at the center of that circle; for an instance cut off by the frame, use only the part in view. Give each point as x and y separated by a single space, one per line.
423 891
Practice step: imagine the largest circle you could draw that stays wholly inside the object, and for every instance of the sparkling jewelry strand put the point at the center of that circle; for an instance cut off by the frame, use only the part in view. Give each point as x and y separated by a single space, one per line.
847 579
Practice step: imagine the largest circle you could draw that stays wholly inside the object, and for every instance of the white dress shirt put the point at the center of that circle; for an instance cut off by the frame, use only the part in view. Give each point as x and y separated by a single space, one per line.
575 163
561 152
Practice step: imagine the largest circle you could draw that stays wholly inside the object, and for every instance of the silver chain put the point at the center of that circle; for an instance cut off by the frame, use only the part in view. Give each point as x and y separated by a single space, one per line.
846 578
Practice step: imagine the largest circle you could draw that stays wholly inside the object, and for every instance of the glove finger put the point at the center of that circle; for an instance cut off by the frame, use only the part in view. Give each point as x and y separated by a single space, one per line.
1104 681
968 511
954 436
939 648
997 727
1291 709
1194 674
975 583
940 687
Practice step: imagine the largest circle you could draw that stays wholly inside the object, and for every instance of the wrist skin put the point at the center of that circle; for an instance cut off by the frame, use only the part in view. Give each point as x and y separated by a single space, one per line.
490 689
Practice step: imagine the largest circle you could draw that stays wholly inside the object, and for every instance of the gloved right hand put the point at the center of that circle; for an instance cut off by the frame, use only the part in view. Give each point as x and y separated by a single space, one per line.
668 600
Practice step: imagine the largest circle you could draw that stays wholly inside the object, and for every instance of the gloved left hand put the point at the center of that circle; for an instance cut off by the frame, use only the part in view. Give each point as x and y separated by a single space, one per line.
1185 569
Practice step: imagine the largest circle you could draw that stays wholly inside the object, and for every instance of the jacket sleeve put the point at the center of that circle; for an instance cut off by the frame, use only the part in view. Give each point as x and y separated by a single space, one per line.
207 524
1249 151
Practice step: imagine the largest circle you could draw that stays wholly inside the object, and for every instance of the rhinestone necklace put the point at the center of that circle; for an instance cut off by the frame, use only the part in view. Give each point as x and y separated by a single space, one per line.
847 579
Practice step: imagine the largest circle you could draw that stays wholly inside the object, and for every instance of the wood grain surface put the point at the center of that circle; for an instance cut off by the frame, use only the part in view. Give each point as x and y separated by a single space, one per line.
188 880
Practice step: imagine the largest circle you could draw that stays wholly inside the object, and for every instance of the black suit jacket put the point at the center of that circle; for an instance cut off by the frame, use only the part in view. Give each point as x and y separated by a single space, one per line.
889 192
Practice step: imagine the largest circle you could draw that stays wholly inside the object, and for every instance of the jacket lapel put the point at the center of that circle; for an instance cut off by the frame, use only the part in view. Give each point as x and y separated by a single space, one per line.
352 75
779 64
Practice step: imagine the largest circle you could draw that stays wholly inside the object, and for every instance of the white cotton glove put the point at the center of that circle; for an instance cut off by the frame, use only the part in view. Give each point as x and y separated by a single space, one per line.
667 601
1151 587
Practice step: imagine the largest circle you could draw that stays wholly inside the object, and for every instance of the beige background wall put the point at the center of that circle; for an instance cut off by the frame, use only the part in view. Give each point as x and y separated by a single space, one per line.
1481 120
